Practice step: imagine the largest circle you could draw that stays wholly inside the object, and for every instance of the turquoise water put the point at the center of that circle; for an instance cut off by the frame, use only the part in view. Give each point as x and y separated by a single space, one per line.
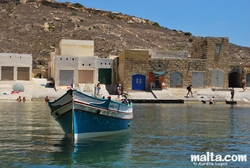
162 135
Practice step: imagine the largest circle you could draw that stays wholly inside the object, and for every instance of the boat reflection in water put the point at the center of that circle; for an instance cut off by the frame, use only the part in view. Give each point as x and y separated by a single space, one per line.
102 150
107 150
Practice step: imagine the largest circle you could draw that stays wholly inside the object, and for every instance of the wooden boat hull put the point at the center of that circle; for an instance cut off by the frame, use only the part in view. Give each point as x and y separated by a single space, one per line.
85 116
231 102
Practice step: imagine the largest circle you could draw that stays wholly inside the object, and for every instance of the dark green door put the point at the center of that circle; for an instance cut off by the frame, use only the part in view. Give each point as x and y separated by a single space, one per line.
104 76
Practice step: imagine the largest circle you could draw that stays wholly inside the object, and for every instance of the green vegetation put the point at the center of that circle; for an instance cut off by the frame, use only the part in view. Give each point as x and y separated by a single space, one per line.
178 48
188 34
111 15
51 27
119 18
190 40
38 75
74 14
43 53
156 24
77 5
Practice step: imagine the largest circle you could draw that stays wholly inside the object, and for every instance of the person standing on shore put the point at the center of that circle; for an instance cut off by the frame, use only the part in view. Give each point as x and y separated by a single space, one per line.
115 88
232 94
152 85
243 84
98 88
189 88
119 90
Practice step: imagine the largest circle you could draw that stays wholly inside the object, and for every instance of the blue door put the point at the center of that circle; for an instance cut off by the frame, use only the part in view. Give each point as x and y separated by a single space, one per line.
138 82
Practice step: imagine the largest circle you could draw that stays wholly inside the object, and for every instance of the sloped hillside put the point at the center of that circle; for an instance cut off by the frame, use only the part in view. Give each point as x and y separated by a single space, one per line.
37 27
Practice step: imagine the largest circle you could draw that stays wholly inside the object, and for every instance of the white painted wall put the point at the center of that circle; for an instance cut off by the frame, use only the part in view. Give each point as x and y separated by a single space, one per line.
104 63
65 63
80 48
16 60
82 51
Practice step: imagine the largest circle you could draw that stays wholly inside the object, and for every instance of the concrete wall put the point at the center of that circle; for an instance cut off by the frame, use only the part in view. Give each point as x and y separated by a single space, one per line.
104 63
65 63
76 47
16 60
77 55
88 63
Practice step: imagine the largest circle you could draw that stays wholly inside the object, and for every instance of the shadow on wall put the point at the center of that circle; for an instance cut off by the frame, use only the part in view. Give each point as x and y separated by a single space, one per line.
235 79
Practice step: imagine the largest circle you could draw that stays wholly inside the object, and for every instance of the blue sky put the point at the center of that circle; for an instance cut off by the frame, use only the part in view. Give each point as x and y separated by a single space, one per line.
217 18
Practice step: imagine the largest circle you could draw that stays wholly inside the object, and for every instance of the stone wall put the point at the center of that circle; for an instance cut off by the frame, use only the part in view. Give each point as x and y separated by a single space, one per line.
207 57
183 66
132 62
206 49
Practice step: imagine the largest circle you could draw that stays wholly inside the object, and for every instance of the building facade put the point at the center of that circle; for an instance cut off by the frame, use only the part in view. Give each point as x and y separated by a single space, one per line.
74 61
15 66
206 65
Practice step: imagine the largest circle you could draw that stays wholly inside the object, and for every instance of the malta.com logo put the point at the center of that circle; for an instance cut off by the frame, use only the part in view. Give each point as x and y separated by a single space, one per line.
210 159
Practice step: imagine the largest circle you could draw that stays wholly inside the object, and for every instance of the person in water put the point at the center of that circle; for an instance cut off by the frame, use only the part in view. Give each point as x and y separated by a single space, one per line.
47 99
212 101
19 99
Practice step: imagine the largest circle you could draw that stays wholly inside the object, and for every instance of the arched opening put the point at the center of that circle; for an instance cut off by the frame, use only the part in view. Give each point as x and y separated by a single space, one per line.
235 79
248 80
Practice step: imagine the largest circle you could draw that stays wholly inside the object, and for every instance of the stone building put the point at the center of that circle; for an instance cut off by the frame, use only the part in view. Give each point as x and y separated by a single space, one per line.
207 64
74 61
133 69
15 67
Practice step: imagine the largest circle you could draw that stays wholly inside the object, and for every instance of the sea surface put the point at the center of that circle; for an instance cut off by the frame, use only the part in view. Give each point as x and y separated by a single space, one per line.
162 135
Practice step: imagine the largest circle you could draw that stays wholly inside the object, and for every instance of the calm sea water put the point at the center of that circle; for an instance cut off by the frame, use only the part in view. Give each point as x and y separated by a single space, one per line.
162 135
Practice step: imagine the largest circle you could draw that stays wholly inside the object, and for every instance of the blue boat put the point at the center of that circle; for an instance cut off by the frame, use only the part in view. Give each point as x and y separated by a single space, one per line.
86 116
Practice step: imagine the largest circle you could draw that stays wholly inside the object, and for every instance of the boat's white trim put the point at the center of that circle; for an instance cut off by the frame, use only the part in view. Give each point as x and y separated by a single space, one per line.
105 112
81 136
62 110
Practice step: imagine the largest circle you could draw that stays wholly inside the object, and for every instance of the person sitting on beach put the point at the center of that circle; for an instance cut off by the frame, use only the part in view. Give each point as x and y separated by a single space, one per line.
47 99
212 101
